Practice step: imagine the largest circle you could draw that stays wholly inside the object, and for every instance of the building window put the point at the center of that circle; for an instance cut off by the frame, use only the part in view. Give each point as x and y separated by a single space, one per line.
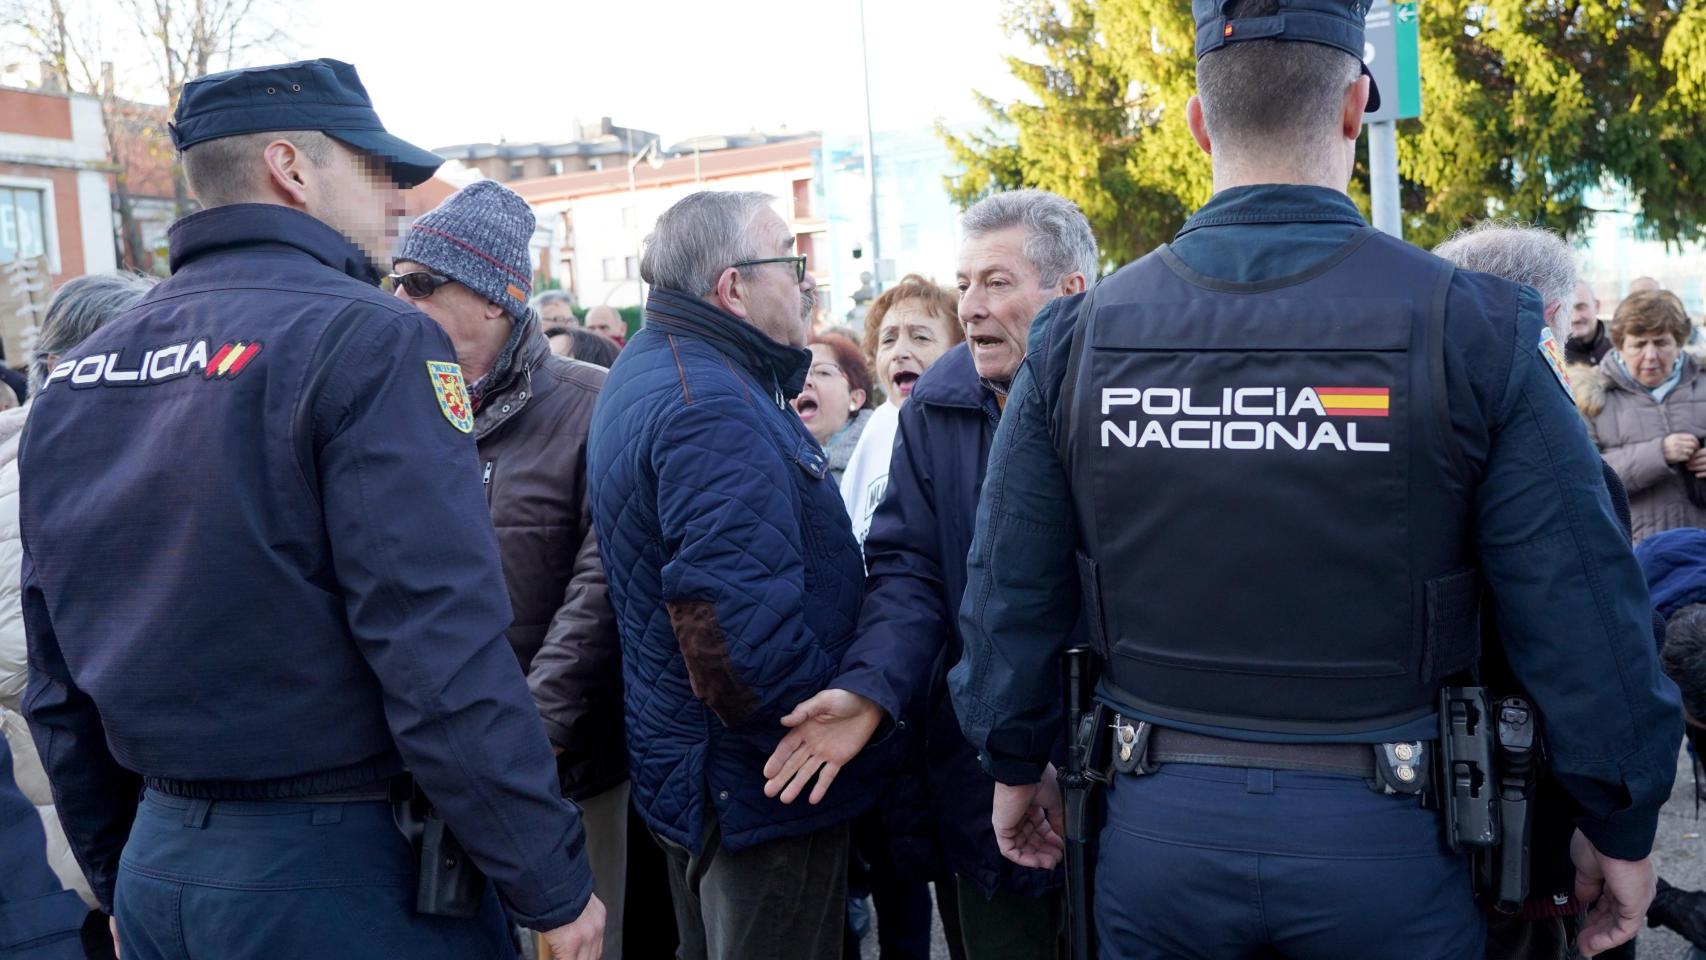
517 170
612 268
633 265
621 268
556 168
22 225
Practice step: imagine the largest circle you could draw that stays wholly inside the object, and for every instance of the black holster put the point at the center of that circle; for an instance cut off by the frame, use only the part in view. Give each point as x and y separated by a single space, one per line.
447 883
1086 767
1489 765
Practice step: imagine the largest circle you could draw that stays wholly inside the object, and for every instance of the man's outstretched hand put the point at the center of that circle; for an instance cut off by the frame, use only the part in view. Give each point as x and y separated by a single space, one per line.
1620 891
1029 822
828 731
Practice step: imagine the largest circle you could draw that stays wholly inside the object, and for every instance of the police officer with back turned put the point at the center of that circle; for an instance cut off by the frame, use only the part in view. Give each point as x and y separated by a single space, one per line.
1283 455
260 582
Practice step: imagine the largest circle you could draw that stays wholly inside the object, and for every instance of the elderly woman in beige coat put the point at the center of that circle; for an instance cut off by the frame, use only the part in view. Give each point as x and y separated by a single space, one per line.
1645 404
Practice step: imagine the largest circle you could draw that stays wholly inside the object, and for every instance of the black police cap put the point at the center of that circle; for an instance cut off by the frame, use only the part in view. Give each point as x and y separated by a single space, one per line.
323 95
1332 23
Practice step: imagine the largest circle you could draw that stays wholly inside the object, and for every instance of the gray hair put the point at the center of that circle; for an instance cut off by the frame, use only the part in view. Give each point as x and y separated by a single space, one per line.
699 237
1518 252
1058 240
551 296
80 307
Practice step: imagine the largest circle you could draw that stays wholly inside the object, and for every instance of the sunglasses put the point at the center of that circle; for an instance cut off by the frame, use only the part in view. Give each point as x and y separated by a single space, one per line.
417 285
798 262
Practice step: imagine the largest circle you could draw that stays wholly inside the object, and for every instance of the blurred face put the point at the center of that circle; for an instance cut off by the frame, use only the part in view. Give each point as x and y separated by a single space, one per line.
562 345
355 195
1584 312
828 400
557 313
1651 358
909 340
605 321
777 303
1000 293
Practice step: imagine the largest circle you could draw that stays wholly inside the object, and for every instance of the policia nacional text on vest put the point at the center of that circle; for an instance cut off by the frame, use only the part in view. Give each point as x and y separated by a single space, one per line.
1287 431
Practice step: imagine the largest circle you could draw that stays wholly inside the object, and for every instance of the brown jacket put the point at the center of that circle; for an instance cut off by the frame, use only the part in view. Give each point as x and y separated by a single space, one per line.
1629 427
531 427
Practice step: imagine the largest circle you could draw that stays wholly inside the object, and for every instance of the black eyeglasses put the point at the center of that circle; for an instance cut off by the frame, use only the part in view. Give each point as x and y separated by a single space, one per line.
417 285
798 262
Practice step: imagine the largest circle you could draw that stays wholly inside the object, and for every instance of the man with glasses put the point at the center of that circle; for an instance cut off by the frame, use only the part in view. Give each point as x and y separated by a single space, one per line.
260 582
740 583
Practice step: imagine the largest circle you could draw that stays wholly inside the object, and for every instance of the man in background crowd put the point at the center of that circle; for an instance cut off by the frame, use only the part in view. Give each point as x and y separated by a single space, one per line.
606 321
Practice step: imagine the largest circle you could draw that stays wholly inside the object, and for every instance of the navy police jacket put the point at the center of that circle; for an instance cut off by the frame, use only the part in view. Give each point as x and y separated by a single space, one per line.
915 556
1569 600
734 574
258 563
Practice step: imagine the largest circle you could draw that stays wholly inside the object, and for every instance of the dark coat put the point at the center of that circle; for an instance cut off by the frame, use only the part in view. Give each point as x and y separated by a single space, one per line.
1590 350
531 427
39 919
1675 565
915 555
735 577
273 574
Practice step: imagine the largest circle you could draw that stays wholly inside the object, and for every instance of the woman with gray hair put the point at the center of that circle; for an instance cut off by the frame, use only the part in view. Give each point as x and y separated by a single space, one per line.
78 308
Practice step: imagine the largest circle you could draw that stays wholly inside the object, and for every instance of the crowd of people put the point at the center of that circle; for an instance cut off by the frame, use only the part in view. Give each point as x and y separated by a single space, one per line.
339 564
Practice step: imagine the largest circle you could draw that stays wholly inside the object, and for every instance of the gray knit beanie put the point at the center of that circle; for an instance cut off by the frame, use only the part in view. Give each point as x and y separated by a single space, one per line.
478 237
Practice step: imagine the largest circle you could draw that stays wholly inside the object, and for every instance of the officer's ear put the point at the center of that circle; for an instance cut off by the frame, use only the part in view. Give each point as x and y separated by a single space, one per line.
1356 101
1198 125
285 164
1073 283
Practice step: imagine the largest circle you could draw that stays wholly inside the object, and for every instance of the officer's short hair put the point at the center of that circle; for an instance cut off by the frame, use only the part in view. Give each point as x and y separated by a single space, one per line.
1684 656
1518 252
699 237
1058 240
79 307
1649 314
227 170
1276 95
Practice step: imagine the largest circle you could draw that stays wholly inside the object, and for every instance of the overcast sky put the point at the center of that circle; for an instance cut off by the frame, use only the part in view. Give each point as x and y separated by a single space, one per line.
453 72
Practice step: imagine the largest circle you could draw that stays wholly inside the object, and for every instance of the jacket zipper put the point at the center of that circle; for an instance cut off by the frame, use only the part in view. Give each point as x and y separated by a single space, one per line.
486 480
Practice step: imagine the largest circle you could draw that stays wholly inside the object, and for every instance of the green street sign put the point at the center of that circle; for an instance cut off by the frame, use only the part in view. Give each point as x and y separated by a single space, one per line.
1391 48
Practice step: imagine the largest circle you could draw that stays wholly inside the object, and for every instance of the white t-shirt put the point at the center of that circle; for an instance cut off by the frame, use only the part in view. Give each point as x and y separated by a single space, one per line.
867 474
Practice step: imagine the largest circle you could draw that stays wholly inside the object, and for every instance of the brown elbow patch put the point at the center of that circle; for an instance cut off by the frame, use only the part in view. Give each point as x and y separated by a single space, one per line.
709 670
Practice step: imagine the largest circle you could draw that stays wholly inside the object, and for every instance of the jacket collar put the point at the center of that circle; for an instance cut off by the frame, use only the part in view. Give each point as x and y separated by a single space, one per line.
506 390
775 365
1275 203
265 224
952 381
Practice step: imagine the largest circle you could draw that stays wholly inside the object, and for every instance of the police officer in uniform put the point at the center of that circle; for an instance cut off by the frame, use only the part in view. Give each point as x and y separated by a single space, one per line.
1282 455
260 582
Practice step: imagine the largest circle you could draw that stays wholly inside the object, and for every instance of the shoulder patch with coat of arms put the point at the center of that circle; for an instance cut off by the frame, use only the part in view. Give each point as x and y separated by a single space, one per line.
1554 357
452 394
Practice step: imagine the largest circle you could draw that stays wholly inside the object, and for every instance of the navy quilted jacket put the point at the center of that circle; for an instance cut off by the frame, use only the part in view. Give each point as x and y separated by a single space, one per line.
733 573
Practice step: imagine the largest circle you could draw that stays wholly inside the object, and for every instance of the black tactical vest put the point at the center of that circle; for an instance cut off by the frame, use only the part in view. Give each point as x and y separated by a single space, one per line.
1275 512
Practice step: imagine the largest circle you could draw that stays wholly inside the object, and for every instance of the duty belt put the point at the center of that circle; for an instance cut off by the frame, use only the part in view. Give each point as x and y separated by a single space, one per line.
1139 748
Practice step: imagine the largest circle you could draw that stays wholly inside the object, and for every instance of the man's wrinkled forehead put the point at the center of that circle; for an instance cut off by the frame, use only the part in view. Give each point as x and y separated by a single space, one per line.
998 251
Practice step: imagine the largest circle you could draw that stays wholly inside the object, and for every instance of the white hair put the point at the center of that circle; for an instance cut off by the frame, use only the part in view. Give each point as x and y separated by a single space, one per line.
1518 252
1058 240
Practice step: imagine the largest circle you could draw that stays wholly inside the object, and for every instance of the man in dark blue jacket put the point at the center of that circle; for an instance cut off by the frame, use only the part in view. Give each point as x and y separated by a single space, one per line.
736 583
39 918
1019 250
1280 455
260 582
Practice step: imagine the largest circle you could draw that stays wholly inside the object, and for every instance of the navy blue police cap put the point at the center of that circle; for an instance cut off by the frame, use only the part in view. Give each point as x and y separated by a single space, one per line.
1331 23
323 95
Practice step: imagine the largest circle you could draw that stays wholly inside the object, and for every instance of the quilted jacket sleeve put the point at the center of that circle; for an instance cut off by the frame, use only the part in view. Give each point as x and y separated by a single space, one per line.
734 583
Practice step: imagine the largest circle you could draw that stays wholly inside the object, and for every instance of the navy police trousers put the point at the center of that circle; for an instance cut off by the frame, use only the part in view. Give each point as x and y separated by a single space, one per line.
1225 863
252 880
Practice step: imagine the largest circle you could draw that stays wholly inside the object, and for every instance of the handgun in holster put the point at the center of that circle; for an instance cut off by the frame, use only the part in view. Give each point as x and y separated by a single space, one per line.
1489 766
447 883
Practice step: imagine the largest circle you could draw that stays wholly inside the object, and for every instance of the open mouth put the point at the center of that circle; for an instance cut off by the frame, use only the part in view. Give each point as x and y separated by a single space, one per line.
903 382
806 408
985 343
